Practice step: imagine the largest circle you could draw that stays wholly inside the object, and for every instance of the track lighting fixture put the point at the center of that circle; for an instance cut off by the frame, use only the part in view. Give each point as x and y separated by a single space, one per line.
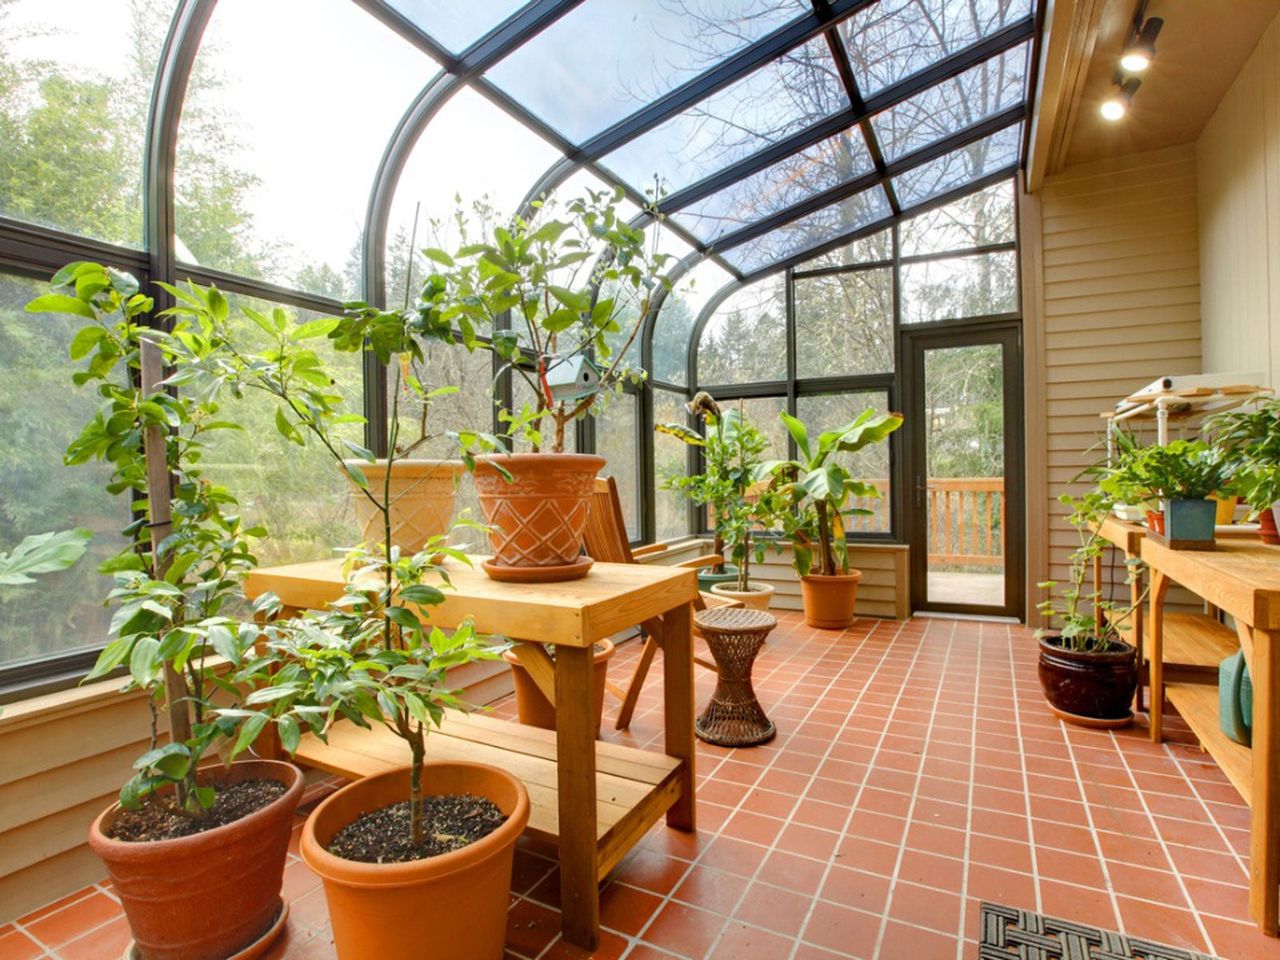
1117 105
1141 50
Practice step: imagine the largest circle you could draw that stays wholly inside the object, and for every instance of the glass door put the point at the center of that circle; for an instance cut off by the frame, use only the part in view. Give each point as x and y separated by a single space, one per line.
965 505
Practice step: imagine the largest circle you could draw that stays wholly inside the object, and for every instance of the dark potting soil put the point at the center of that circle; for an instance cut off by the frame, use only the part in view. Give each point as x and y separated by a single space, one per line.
160 818
383 835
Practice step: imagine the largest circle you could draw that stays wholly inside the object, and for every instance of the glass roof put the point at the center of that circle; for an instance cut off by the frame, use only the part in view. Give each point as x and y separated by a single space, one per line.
456 25
951 171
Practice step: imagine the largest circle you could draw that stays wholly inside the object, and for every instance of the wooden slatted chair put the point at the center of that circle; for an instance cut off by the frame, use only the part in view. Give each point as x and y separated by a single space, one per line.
606 541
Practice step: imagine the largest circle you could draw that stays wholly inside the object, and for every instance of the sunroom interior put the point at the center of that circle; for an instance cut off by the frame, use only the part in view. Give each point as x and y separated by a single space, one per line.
1042 233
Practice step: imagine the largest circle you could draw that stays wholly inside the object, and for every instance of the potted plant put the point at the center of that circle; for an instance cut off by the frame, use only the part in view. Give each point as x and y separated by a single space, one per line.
416 862
576 288
184 834
1182 475
1249 440
814 491
1126 489
1088 672
731 448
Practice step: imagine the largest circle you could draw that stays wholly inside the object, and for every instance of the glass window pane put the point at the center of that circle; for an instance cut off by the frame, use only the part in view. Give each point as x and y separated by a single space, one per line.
844 324
639 50
999 151
949 107
669 460
266 185
40 413
877 247
298 493
441 167
974 286
674 324
870 464
456 25
618 441
778 99
675 250
981 218
811 230
890 40
830 163
75 90
745 341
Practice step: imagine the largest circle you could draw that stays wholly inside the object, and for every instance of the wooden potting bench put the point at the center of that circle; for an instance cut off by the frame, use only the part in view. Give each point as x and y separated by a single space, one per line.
593 800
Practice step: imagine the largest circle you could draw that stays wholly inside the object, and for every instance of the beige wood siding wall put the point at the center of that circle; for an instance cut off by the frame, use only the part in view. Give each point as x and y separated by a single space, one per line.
1238 157
881 593
1120 282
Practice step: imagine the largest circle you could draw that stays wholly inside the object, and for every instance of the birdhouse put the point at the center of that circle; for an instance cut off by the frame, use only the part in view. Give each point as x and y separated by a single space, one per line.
574 378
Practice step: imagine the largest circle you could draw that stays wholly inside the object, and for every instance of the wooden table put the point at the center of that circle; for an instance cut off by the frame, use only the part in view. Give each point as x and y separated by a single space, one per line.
1242 578
595 800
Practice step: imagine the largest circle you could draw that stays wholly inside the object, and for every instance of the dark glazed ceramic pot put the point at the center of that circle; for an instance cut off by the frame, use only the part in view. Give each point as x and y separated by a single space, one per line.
1088 685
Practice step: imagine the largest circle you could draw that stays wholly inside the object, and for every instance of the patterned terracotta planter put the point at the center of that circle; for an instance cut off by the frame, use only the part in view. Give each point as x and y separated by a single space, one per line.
423 494
538 513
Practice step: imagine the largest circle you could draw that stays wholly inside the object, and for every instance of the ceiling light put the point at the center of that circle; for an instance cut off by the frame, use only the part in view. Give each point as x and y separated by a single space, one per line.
1117 105
1140 51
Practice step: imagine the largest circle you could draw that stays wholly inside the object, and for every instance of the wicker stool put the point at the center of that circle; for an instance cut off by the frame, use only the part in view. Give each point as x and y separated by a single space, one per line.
734 717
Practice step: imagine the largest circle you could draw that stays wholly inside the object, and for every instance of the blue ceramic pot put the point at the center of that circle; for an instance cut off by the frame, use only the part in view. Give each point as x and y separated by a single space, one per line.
1189 520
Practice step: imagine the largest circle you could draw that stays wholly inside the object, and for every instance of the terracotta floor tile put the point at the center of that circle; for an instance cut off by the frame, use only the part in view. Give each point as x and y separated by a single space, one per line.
710 889
739 941
1151 921
1240 941
75 919
1078 904
107 941
901 940
684 930
16 945
791 872
58 904
934 839
847 931
927 869
780 911
926 907
651 871
612 947
531 927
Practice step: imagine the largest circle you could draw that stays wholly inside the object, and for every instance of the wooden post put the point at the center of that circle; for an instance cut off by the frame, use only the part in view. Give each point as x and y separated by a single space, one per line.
576 776
677 682
1264 837
1159 589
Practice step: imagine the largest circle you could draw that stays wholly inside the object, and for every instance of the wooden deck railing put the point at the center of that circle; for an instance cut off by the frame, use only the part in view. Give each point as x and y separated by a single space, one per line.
966 521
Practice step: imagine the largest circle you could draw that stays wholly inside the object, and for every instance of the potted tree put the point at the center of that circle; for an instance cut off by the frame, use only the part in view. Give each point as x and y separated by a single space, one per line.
416 862
1249 440
814 492
575 285
732 449
1087 670
184 834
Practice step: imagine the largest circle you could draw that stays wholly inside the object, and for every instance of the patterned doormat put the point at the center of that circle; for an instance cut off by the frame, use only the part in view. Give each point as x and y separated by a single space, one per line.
1022 934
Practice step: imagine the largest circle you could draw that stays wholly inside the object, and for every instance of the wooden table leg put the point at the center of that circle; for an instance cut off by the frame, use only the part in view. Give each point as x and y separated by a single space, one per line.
576 776
1139 638
1159 589
677 689
1264 839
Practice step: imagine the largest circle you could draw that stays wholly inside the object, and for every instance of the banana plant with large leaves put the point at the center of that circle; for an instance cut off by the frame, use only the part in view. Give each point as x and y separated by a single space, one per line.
815 488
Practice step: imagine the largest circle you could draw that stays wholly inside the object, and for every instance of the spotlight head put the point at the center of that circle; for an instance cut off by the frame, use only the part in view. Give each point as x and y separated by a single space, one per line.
1141 50
1117 105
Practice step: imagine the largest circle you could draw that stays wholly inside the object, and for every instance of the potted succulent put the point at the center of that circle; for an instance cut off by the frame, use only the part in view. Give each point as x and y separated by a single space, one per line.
416 862
575 284
184 834
1088 672
1182 475
814 491
731 449
1249 440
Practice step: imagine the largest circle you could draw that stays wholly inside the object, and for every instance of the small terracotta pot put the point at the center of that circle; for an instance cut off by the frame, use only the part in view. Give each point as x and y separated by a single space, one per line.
423 496
759 597
829 601
1155 521
441 908
539 515
532 706
1086 685
210 895
1267 527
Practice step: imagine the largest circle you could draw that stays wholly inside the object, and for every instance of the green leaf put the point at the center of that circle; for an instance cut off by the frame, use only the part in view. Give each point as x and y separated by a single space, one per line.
290 735
681 432
364 453
144 662
799 432
422 593
249 733
43 553
173 760
61 303
315 328
85 340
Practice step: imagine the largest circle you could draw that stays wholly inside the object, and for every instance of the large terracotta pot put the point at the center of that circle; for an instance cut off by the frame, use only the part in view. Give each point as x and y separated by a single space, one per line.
441 908
532 706
210 895
423 495
538 515
1094 689
757 598
829 601
1267 527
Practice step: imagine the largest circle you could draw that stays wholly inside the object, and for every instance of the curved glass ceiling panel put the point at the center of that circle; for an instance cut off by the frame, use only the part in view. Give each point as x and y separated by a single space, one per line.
264 185
439 169
75 88
981 218
877 247
949 107
811 230
674 323
632 299
834 161
456 24
745 341
639 50
781 97
954 169
890 40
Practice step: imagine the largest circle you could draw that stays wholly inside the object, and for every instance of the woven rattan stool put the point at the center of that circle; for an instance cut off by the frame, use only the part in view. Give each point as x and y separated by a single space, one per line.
734 717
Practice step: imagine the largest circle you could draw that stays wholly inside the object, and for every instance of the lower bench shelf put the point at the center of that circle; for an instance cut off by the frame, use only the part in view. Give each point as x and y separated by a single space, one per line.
634 788
1197 703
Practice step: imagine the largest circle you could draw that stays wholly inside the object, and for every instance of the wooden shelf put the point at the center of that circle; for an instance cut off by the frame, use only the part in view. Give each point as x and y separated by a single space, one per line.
634 788
1198 706
1194 640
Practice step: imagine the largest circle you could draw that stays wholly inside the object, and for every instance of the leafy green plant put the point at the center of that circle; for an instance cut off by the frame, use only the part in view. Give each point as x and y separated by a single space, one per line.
814 490
732 449
575 283
1181 470
179 577
42 553
1249 440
